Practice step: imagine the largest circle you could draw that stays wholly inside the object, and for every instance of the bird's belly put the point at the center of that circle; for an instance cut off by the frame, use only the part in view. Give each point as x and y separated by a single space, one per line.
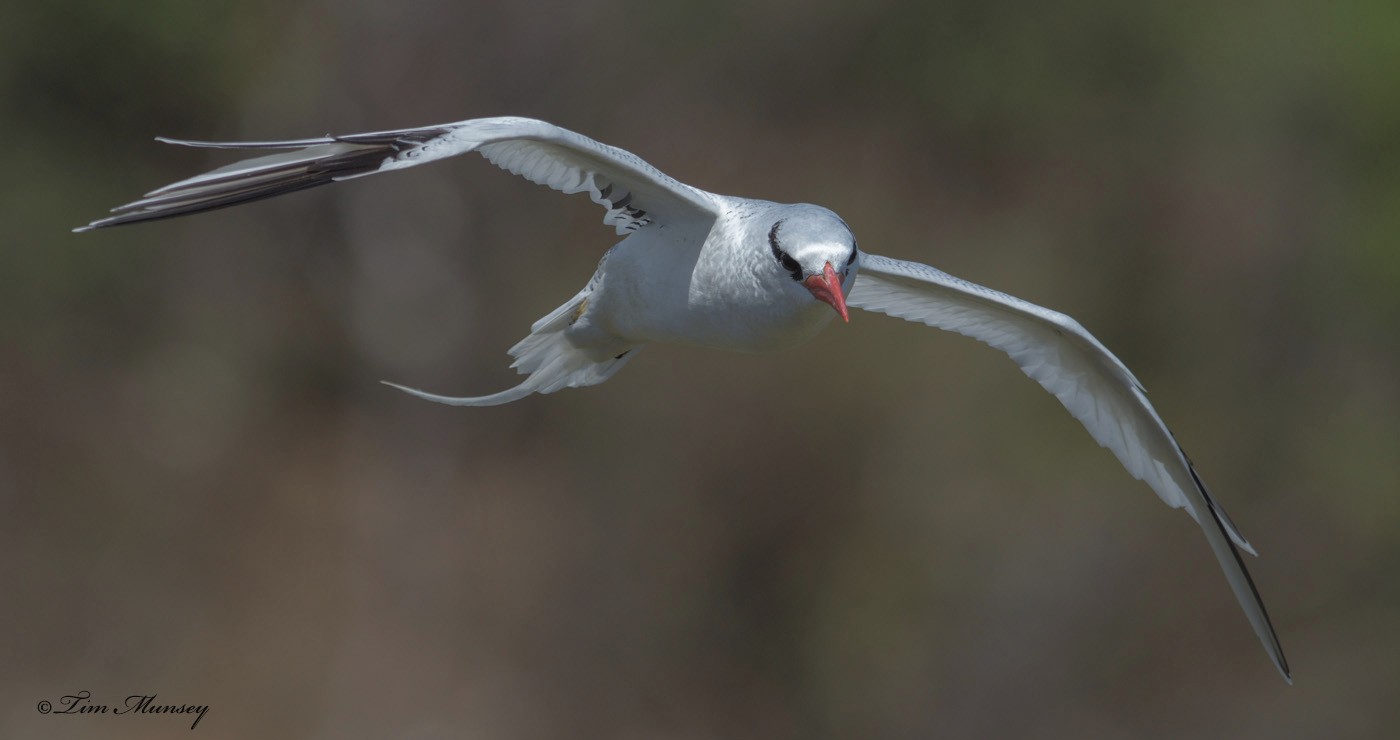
733 329
654 310
690 289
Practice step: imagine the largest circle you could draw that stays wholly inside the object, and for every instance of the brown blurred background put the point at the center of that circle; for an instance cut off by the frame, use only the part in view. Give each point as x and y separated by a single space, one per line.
887 533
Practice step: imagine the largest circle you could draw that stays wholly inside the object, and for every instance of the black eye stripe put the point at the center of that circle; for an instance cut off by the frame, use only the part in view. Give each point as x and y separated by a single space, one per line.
782 257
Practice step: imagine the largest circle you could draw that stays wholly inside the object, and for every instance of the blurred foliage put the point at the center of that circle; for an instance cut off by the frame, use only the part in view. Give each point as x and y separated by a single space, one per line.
887 533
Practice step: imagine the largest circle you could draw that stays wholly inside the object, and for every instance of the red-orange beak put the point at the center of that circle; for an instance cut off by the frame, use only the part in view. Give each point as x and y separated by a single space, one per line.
826 287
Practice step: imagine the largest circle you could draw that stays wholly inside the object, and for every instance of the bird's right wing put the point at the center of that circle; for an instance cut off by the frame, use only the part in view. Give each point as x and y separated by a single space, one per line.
634 193
1093 384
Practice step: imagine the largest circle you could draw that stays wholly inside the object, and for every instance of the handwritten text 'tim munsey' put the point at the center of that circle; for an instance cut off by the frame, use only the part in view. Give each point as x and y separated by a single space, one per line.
81 703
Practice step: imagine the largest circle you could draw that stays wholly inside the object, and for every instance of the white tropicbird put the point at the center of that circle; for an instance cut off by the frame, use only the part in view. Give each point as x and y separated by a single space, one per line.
731 273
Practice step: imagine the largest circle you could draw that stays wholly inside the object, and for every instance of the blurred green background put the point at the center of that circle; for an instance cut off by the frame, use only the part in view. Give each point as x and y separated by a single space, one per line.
886 533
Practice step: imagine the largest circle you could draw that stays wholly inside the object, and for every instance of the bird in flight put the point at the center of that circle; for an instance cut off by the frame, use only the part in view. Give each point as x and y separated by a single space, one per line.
730 273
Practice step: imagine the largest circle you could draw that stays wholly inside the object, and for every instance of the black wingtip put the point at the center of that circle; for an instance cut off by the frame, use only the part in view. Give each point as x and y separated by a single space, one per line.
1269 636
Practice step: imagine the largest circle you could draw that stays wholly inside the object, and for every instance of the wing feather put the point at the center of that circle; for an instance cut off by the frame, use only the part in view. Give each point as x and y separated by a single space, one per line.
634 193
1093 384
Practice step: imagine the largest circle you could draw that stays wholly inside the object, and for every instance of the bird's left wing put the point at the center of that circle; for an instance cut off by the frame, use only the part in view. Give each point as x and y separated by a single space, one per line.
634 193
1093 384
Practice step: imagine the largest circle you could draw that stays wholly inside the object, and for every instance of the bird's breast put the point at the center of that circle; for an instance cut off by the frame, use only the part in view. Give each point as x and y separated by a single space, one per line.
702 292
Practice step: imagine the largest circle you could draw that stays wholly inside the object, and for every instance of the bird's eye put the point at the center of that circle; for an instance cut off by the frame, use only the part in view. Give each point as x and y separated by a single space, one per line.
782 257
790 265
851 260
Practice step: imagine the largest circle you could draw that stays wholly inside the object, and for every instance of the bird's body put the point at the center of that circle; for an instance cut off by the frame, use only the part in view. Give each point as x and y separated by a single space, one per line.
705 288
735 274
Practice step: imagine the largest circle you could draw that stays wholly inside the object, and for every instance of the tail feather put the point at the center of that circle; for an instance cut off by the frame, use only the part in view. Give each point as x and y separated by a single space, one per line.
494 399
551 360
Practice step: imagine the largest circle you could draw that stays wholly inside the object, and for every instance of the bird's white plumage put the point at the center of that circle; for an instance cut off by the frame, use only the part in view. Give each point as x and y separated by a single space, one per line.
1094 386
1054 350
731 273
634 193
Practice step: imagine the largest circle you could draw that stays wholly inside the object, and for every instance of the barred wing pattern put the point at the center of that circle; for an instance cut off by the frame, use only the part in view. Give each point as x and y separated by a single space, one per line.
1093 384
634 193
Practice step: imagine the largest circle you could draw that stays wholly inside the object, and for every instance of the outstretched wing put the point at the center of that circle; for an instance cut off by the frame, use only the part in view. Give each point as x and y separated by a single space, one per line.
1093 385
634 193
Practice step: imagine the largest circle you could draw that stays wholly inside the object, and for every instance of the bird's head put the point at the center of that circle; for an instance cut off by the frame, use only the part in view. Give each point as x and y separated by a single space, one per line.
816 250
